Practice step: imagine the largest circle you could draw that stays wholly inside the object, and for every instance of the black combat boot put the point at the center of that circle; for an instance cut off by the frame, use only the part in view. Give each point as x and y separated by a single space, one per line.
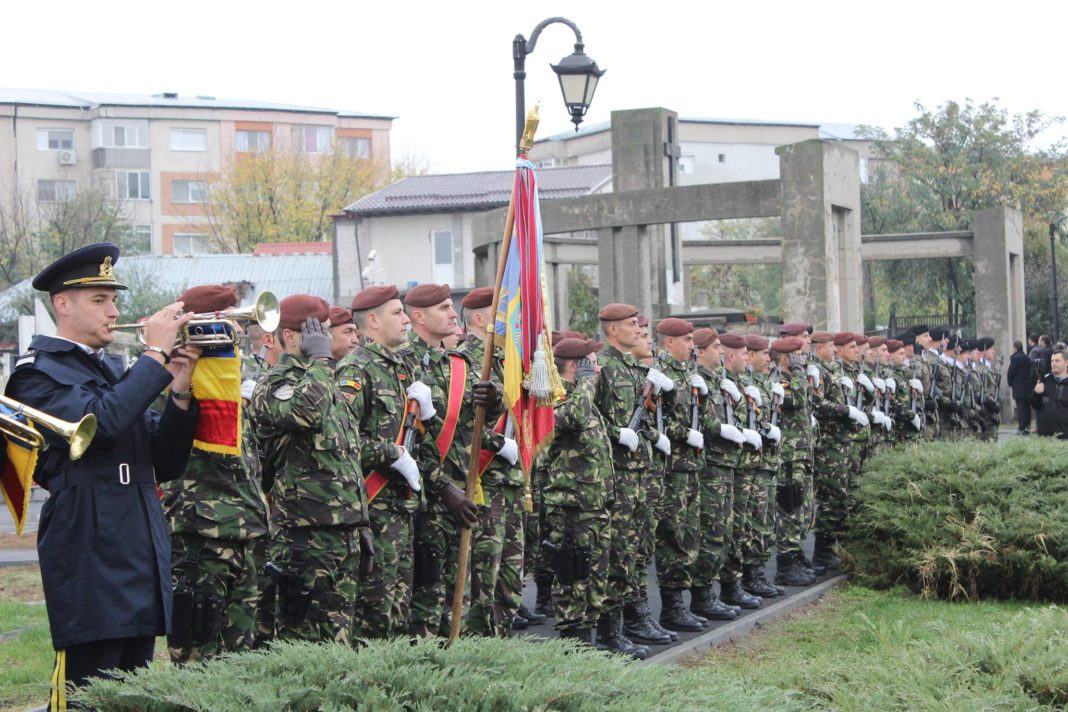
789 572
732 593
544 604
674 615
637 626
752 582
580 635
808 567
762 576
520 623
532 617
647 615
704 603
824 554
610 637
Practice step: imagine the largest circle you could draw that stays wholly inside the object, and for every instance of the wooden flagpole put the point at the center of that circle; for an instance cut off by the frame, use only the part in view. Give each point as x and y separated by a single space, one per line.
479 426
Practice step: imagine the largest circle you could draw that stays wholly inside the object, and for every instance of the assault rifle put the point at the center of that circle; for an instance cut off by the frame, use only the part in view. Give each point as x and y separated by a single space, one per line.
695 396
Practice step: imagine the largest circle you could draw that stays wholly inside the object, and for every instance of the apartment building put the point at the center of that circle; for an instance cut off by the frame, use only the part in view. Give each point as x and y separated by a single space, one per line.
157 154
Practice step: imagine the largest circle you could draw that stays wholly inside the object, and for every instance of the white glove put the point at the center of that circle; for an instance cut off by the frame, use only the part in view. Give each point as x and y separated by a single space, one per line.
247 386
752 437
880 384
877 416
888 423
663 444
812 418
699 383
778 393
917 423
916 385
863 380
660 381
846 383
405 465
858 416
728 387
509 451
774 434
892 385
729 432
813 372
420 393
754 393
628 439
696 440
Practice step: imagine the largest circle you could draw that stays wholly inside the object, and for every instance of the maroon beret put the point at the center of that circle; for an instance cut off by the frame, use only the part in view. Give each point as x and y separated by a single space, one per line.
704 337
786 345
298 307
756 342
617 312
862 340
339 316
643 321
673 326
844 337
575 348
208 298
792 328
732 341
893 345
374 297
427 295
478 298
822 337
876 341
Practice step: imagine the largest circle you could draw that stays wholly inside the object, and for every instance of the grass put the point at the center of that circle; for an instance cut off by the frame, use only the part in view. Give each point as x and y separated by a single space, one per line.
25 654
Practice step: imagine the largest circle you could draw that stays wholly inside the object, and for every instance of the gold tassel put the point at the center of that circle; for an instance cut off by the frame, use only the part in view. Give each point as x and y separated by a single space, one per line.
528 497
479 496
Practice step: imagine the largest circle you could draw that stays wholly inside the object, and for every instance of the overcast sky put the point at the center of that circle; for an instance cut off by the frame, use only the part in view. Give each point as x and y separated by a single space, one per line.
445 68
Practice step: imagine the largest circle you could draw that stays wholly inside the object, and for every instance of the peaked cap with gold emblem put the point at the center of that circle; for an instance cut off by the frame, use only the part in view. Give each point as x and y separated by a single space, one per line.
89 266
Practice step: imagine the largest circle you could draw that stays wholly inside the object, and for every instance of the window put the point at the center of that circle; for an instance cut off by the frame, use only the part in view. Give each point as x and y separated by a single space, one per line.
52 191
189 140
109 133
253 141
189 191
190 243
132 185
686 164
441 244
317 139
138 240
722 158
55 139
355 147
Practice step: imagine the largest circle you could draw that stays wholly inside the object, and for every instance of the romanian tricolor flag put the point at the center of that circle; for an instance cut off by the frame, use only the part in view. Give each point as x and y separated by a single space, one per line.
16 473
531 383
217 385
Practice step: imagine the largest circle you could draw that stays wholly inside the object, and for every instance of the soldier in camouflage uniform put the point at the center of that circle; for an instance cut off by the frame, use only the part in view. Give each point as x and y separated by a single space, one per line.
990 395
735 363
908 390
216 511
375 381
877 363
344 335
941 373
578 494
309 441
925 369
716 520
437 528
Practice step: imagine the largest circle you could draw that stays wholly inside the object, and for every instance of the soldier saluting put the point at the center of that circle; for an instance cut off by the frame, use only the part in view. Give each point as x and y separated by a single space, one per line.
103 541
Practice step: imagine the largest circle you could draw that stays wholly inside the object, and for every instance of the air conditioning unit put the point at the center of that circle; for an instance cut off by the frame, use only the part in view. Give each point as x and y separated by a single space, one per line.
67 157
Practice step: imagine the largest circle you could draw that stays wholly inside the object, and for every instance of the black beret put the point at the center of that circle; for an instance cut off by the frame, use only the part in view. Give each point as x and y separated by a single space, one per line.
89 266
920 329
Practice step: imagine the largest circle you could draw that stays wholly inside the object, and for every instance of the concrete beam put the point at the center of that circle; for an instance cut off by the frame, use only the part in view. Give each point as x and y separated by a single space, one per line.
916 246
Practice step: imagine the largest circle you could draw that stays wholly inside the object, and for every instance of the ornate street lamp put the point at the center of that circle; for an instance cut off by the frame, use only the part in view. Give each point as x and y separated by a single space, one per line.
577 72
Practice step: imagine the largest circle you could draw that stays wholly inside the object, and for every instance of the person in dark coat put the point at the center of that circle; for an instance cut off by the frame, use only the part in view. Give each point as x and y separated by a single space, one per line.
103 543
1051 398
1021 379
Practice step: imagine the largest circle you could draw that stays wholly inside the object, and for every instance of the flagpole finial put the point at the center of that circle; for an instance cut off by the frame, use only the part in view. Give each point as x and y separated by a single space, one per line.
527 142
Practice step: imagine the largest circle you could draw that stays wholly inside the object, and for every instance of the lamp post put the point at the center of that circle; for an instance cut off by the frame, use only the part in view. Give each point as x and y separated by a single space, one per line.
578 75
1055 227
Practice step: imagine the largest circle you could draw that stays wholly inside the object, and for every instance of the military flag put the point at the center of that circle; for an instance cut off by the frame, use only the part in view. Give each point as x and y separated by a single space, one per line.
16 471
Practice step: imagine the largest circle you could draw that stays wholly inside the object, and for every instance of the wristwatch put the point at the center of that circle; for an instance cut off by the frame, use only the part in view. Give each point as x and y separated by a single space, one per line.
182 395
166 356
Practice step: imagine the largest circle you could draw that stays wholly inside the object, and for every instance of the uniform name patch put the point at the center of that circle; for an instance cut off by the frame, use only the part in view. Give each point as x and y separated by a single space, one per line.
283 392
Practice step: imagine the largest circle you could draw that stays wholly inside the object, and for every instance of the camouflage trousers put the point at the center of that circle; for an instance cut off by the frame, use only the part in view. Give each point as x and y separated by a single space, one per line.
760 527
329 570
645 513
384 602
577 606
744 490
265 596
626 531
836 460
226 569
535 531
437 546
716 523
678 516
496 562
793 523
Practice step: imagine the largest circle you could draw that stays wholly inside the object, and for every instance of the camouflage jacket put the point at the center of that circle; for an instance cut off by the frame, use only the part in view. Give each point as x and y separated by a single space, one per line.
718 452
798 436
374 381
678 416
745 417
830 403
579 469
866 400
619 391
499 471
219 496
904 401
309 440
768 413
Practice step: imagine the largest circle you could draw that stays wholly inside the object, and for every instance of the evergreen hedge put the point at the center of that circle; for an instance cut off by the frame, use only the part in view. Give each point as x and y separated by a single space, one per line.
964 520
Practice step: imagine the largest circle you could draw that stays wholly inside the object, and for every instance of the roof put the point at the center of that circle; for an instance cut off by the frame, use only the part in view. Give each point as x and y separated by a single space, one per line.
92 100
826 130
476 191
294 248
282 274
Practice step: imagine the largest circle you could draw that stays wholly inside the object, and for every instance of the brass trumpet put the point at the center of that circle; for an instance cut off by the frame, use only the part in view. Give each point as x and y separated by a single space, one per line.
78 435
216 329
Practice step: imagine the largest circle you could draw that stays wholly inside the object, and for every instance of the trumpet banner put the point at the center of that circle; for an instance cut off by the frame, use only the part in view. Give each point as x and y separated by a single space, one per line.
217 385
16 473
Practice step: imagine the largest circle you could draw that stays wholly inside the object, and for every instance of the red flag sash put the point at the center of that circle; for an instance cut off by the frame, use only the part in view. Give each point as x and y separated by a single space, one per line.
457 385
376 481
486 456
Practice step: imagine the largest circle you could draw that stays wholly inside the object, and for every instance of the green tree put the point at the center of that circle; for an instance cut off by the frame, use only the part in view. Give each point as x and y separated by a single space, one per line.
582 299
756 289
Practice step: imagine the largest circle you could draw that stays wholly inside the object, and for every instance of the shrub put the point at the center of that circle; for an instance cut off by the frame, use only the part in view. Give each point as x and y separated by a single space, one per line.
964 520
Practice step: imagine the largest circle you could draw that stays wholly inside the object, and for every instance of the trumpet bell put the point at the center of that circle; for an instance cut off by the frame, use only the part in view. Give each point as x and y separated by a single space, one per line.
78 435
